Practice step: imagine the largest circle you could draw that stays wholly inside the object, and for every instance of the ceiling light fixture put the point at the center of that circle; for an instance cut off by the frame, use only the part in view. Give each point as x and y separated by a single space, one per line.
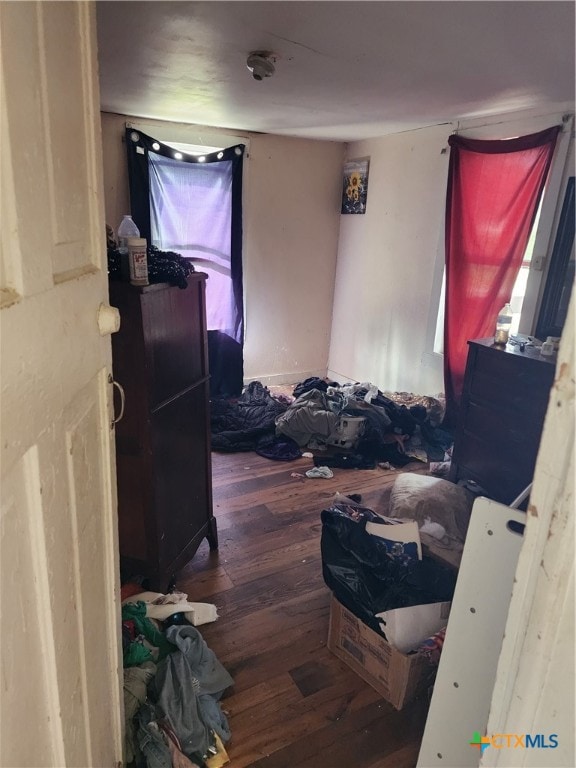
261 64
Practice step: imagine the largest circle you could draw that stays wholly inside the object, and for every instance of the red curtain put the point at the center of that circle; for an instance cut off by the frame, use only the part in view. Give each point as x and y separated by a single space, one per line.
494 188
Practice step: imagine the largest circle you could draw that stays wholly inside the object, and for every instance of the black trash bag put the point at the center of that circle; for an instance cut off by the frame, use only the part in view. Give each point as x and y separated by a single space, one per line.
363 574
356 566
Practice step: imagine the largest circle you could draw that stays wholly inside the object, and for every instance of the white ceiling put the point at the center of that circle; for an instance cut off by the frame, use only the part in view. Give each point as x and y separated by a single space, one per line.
345 70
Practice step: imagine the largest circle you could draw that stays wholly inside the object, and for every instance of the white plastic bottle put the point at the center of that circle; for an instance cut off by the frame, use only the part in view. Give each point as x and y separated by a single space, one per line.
503 325
547 347
126 229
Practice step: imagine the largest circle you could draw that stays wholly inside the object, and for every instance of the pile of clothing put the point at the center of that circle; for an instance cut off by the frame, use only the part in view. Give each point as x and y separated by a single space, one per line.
172 684
247 423
397 427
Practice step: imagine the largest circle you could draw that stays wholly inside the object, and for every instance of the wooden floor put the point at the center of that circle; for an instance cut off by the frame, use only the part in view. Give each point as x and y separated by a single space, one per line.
293 703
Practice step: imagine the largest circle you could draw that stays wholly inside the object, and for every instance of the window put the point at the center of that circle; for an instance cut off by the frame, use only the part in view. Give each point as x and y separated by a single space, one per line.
525 299
518 292
560 280
188 200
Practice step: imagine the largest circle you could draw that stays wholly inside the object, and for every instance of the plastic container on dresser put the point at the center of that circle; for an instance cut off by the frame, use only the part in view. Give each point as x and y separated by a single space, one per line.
502 412
126 230
503 325
163 455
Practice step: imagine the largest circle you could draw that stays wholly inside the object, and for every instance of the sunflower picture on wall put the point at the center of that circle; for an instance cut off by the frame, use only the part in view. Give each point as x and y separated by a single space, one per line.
355 186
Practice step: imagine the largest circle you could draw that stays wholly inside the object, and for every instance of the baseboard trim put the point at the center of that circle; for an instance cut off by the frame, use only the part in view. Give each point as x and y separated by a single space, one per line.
277 379
340 378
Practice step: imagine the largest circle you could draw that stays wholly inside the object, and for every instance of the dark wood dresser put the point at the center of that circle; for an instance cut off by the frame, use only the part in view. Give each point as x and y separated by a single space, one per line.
503 406
163 459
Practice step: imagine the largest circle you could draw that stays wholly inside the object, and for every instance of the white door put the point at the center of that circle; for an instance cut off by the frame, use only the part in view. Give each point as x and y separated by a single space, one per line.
60 648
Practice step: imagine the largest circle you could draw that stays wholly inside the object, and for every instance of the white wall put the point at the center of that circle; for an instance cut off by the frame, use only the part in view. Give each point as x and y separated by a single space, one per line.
390 259
386 261
291 215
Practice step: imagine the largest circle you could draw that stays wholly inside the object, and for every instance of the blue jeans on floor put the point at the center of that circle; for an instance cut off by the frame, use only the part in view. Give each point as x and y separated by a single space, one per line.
151 741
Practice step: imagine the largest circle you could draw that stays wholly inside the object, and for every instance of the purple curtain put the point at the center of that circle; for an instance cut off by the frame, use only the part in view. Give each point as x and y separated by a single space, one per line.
191 213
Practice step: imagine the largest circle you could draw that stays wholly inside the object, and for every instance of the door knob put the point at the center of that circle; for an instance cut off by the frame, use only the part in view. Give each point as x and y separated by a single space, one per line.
108 319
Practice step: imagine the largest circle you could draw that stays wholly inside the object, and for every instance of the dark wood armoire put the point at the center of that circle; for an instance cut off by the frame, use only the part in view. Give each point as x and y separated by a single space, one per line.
160 358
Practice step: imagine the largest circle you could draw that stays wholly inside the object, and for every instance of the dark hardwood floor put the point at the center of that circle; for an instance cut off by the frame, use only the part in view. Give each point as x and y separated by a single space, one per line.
293 703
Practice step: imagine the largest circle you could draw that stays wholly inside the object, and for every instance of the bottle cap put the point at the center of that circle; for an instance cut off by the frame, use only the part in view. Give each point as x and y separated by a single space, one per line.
139 242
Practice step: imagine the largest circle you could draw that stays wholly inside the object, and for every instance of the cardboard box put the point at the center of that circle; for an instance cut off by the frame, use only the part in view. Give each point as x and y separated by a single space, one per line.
398 677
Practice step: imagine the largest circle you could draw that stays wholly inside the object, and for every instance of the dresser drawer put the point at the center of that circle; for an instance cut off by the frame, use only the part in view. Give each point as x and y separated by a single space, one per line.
502 426
508 380
502 475
520 394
